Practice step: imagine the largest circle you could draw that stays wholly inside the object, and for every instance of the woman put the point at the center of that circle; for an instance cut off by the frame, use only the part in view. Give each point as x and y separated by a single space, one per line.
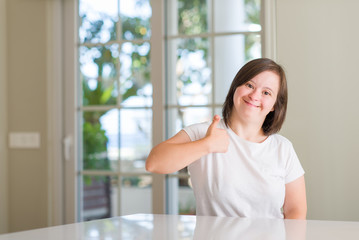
239 165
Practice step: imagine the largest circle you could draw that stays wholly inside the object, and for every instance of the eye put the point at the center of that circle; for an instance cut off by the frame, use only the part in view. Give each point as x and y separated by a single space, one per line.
267 93
249 85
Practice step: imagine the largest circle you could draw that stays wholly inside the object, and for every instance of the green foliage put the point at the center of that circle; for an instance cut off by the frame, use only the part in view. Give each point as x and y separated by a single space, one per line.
135 28
105 92
101 95
252 9
192 17
94 149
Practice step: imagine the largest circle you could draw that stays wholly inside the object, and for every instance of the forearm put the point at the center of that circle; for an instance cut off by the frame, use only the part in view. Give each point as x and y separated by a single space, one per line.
295 214
171 157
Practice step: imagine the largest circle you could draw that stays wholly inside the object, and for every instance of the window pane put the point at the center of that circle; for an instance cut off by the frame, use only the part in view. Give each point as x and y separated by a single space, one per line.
237 15
98 72
218 111
110 123
189 74
135 138
136 195
187 17
235 51
178 118
253 46
99 197
181 197
135 89
186 200
98 20
95 142
135 18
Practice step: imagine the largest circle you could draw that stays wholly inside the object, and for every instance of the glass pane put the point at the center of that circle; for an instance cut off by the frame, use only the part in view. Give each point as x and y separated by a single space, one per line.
186 199
136 88
253 47
98 20
98 74
218 111
99 194
110 123
181 197
178 118
135 18
189 73
187 17
135 138
237 15
235 51
136 194
95 142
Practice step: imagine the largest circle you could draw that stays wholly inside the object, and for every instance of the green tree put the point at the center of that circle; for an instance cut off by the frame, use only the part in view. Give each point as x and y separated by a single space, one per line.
106 90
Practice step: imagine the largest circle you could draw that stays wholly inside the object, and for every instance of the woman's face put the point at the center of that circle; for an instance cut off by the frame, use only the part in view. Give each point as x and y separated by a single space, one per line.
256 98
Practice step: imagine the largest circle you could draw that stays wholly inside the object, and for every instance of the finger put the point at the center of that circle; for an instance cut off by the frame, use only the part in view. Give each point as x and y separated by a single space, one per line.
215 121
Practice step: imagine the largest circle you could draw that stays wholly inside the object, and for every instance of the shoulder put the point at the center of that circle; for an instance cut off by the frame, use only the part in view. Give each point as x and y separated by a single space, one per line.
197 131
279 139
281 143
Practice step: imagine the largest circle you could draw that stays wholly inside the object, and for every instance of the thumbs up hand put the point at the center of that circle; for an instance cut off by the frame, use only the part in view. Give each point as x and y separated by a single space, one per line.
218 138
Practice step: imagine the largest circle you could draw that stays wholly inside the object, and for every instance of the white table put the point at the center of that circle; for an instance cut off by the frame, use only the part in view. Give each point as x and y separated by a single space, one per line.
160 227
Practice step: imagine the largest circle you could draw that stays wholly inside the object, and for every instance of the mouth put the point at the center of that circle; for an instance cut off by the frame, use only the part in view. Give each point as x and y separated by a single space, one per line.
251 104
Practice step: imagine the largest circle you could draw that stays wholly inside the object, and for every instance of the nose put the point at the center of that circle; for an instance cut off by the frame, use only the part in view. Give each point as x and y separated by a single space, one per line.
255 95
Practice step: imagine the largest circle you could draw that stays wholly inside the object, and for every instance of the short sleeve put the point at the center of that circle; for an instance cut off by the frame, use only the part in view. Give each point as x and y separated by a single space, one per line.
294 169
196 131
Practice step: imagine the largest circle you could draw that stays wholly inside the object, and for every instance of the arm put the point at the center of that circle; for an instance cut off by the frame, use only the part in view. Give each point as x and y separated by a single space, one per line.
295 202
179 151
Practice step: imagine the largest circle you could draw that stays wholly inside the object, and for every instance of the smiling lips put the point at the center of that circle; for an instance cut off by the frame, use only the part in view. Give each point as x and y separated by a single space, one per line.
251 104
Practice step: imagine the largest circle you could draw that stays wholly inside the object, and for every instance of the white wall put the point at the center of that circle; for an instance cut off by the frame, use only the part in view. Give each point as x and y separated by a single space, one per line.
318 44
3 122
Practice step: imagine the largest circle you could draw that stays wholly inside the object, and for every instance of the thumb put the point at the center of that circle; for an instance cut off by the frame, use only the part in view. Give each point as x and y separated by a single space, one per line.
215 121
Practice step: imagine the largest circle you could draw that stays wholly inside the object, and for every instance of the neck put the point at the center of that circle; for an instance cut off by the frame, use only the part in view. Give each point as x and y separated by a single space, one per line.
252 132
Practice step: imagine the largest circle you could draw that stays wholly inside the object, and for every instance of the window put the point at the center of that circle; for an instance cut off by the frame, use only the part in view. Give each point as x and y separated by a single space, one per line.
206 42
115 107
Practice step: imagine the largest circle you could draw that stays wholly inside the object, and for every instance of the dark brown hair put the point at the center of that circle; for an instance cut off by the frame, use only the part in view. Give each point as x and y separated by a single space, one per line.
274 120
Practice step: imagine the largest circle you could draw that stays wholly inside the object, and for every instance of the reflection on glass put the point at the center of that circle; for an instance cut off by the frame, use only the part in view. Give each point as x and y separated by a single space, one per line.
235 228
95 142
135 88
189 73
135 138
98 74
98 20
135 18
136 194
99 197
237 15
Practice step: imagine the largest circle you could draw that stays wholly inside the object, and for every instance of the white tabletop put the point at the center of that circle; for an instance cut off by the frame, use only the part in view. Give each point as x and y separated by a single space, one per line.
149 226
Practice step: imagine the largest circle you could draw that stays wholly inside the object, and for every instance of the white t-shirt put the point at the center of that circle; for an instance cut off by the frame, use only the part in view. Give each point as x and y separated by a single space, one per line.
246 181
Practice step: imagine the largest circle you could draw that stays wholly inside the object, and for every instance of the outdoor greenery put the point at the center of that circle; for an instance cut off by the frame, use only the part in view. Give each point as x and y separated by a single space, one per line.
106 90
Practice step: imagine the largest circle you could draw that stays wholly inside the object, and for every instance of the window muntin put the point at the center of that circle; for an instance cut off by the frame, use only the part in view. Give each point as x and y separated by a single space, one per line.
115 90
